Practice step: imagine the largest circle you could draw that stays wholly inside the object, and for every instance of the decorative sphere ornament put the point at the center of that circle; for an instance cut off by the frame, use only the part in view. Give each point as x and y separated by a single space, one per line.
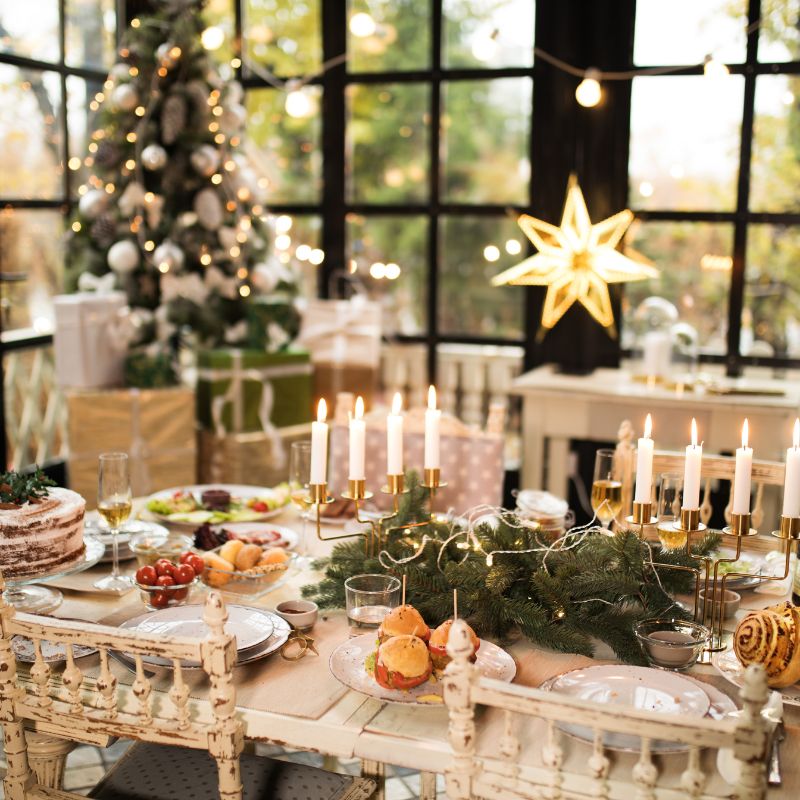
205 160
120 70
264 277
227 237
233 119
92 204
123 257
124 97
154 157
168 256
166 54
208 208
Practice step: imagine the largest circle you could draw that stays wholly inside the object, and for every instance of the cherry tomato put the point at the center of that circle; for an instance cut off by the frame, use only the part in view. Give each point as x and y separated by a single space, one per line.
165 580
159 600
178 594
164 567
184 573
146 576
196 563
259 506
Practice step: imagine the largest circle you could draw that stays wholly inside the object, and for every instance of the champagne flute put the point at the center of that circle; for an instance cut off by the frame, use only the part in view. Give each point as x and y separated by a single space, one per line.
669 510
114 504
606 487
299 489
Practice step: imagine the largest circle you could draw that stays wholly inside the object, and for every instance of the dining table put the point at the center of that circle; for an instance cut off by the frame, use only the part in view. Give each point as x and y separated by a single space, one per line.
299 705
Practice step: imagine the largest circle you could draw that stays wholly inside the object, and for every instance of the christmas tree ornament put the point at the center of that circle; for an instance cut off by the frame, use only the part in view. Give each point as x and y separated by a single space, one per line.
232 120
265 278
124 97
217 281
168 257
131 199
154 157
190 287
576 261
103 230
106 155
120 71
173 118
92 203
102 284
123 257
168 54
205 160
154 207
208 208
227 237
197 92
187 219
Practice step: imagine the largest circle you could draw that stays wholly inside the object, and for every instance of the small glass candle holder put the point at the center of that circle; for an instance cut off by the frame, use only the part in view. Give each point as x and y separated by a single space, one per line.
368 599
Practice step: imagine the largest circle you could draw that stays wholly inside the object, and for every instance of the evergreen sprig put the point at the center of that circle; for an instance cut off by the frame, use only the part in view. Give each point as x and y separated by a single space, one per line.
17 488
597 589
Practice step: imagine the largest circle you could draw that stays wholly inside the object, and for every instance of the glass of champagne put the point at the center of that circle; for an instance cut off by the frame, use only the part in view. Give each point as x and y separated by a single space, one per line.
114 504
606 487
670 492
299 481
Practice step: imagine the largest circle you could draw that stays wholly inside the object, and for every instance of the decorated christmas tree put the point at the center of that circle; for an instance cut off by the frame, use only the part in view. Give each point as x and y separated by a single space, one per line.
173 211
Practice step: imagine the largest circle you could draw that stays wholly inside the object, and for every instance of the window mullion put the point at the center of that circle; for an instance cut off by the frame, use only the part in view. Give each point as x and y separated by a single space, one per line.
434 185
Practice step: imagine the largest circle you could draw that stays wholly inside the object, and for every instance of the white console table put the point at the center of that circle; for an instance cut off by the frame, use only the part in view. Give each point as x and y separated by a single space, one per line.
558 407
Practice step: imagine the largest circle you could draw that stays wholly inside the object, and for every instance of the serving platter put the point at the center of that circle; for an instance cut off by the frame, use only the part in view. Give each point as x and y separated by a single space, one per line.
347 666
728 665
267 535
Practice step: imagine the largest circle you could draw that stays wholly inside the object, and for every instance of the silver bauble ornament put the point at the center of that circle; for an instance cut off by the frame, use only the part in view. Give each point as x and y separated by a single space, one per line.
154 157
124 97
166 54
123 256
264 277
208 208
233 119
168 256
120 70
131 199
205 160
92 204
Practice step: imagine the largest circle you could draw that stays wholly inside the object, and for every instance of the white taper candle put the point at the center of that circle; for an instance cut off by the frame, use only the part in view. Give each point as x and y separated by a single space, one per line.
358 442
742 475
432 418
644 465
791 486
319 446
691 472
394 438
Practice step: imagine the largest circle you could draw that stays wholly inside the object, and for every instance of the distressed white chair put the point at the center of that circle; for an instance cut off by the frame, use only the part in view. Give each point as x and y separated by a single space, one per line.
555 766
171 759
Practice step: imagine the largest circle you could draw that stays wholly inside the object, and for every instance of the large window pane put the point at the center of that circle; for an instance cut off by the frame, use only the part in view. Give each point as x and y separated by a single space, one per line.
775 165
779 34
387 142
289 146
488 33
695 263
684 149
30 255
30 29
771 318
485 132
388 35
80 119
473 251
685 31
31 145
388 255
284 35
90 28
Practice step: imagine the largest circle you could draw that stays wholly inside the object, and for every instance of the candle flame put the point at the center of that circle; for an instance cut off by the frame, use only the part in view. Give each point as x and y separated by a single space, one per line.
694 432
745 432
648 427
796 437
432 397
322 410
359 407
397 403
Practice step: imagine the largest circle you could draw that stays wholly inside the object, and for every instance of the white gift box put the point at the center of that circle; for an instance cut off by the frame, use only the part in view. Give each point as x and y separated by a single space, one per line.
89 345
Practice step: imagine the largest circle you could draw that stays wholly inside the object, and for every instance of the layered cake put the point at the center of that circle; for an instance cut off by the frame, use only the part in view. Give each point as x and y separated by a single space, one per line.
41 526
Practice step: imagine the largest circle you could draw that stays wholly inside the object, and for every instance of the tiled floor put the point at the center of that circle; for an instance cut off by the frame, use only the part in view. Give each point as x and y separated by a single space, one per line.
86 765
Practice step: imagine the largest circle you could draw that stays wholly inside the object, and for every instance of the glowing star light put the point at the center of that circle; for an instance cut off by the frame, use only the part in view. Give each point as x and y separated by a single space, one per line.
576 261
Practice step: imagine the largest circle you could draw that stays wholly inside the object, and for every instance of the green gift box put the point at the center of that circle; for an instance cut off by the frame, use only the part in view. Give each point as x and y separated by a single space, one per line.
251 390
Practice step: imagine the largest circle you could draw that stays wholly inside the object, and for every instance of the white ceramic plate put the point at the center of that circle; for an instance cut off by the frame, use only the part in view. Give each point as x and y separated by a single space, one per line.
235 490
720 705
265 534
729 666
642 688
250 626
347 666
52 652
97 528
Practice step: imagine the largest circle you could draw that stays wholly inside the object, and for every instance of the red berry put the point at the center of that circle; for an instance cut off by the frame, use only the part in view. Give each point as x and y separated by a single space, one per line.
184 573
146 576
165 580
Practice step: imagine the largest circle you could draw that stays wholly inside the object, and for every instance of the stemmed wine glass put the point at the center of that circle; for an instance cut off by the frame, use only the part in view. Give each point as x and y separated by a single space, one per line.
114 503
299 488
606 487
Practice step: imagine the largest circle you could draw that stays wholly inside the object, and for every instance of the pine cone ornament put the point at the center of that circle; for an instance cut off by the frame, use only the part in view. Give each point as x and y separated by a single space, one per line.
173 118
103 230
107 154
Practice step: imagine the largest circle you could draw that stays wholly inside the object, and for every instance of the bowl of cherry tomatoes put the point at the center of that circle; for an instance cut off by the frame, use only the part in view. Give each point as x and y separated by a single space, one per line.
166 583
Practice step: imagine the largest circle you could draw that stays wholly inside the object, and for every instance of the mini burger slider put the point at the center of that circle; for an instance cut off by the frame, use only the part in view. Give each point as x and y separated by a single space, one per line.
402 621
403 662
438 644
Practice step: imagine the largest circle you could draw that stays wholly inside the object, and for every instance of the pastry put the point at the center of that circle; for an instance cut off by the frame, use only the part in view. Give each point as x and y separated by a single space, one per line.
248 556
219 570
771 637
403 620
231 549
215 499
273 555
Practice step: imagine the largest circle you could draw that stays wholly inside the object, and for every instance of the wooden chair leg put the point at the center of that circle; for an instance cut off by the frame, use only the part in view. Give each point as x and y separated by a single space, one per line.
427 786
19 776
47 756
376 771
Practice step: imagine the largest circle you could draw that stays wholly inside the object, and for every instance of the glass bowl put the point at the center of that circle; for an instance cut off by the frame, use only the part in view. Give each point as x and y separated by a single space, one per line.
672 643
245 585
157 597
149 547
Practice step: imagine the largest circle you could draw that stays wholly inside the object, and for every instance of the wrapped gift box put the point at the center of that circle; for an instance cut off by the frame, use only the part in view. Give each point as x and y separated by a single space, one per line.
344 338
255 458
246 391
156 427
471 460
89 343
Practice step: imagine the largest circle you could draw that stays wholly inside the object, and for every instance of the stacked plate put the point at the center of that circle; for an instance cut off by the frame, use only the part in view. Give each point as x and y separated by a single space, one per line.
258 632
644 689
93 526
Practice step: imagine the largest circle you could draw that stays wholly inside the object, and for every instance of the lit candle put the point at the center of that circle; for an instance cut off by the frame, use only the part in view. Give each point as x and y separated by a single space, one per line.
319 446
791 487
691 473
644 465
432 417
741 478
358 432
394 438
